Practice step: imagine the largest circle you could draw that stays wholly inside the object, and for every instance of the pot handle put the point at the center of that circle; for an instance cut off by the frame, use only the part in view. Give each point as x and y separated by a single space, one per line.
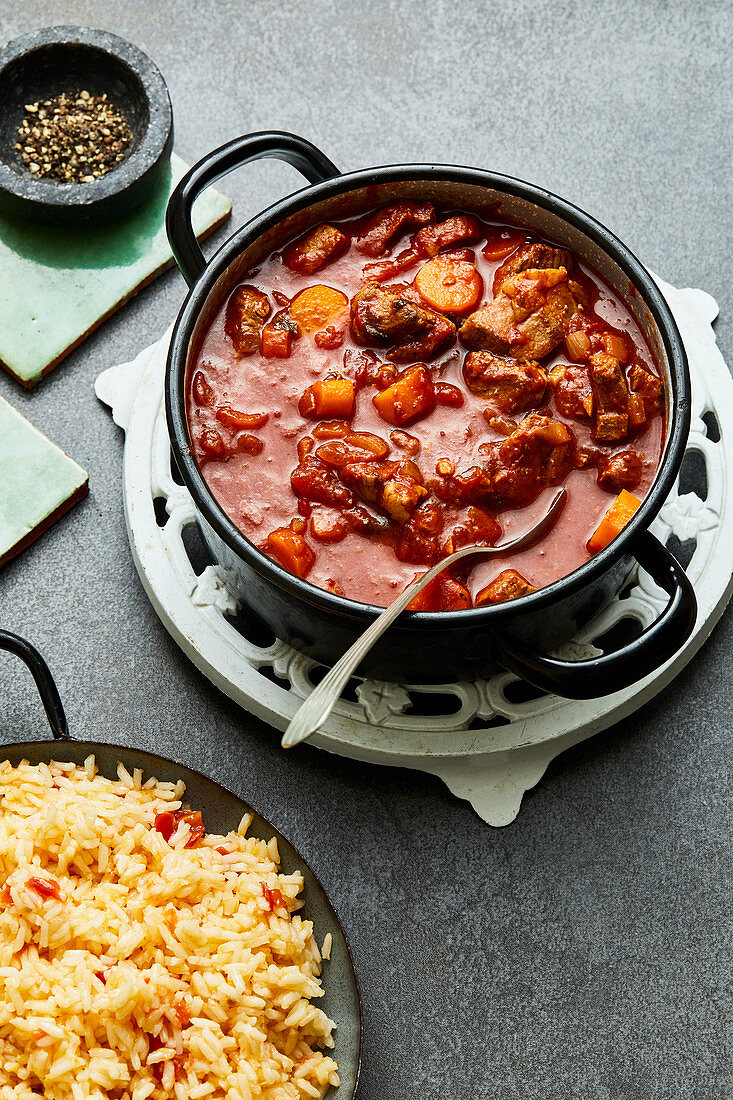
314 165
44 681
613 671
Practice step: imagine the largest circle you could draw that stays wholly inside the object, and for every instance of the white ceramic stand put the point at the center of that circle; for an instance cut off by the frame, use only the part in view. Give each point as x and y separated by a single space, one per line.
488 749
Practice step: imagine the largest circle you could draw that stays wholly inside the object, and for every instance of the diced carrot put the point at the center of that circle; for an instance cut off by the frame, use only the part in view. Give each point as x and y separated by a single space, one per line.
410 397
239 421
291 550
444 593
276 343
328 397
449 285
317 307
503 243
614 521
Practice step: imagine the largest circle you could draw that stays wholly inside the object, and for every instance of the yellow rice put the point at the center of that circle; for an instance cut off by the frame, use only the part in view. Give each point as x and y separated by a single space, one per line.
161 971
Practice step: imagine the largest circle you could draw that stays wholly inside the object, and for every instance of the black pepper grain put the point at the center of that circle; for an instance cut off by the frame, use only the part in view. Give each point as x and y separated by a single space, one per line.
74 138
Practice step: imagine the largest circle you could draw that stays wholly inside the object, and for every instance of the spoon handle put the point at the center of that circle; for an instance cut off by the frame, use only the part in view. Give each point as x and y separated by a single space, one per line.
319 704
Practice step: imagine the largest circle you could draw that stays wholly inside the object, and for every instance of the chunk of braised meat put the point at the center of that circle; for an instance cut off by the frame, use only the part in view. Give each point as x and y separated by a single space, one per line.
610 397
364 522
509 585
319 246
477 528
419 538
533 256
247 310
313 480
438 337
395 487
380 315
388 222
540 452
620 471
648 387
443 593
510 385
434 238
527 319
573 393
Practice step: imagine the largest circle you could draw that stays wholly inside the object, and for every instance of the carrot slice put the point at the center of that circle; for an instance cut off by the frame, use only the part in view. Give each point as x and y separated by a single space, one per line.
614 521
503 243
449 285
317 307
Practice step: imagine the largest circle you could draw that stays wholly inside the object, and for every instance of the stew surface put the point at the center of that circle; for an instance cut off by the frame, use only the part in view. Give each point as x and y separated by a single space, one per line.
387 389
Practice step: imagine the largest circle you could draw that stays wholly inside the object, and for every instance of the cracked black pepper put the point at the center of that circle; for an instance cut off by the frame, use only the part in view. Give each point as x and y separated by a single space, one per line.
74 138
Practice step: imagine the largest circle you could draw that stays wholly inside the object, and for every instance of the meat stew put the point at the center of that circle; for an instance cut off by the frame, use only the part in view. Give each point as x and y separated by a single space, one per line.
384 390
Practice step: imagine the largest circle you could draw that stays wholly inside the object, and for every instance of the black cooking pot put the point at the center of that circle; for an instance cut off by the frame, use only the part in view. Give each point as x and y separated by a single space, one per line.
427 647
223 812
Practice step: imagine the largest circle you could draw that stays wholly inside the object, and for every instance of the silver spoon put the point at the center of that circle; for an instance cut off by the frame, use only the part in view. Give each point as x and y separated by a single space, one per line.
319 704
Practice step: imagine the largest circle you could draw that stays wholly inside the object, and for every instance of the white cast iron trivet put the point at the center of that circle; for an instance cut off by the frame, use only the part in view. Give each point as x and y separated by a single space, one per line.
487 740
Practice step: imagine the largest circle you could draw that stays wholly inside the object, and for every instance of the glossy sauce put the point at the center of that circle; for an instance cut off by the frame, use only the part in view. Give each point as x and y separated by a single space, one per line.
255 490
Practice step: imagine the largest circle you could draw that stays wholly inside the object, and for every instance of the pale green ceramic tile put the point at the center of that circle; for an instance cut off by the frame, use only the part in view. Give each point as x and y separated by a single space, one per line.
38 482
56 285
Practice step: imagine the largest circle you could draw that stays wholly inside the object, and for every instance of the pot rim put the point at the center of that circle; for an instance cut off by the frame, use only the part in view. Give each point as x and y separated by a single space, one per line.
642 282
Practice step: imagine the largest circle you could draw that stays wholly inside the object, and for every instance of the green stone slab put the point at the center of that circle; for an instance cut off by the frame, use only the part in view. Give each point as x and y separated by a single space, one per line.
57 285
38 482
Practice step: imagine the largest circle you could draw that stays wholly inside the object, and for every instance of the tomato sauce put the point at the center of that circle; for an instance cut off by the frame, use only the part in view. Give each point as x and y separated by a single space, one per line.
246 417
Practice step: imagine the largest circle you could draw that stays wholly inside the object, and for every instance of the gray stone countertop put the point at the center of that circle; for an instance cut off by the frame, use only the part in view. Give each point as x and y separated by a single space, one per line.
580 953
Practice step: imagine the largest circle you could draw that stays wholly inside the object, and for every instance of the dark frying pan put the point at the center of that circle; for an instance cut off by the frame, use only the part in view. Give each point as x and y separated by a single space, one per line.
222 811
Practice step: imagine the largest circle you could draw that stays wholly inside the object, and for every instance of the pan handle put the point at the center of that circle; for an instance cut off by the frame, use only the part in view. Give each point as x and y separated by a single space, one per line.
44 681
611 672
309 160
